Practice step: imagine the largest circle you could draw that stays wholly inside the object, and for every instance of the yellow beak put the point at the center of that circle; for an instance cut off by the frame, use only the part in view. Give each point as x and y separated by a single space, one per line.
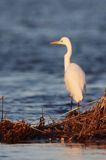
55 42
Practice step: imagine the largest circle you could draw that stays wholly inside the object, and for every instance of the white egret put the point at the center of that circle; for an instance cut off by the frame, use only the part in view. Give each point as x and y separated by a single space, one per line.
74 76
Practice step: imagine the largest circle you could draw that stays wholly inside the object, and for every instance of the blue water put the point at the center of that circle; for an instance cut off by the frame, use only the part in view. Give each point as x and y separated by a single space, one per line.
31 70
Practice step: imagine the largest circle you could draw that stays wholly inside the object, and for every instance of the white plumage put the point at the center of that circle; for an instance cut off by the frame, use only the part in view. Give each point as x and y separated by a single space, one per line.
74 76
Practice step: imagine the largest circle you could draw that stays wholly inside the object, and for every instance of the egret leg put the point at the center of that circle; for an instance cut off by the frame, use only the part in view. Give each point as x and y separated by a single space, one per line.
71 105
78 107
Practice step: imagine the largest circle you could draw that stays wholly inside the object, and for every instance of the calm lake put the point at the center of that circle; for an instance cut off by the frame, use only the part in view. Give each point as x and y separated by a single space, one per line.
52 152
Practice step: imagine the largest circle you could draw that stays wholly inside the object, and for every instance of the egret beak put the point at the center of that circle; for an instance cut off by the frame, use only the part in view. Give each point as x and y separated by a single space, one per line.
55 42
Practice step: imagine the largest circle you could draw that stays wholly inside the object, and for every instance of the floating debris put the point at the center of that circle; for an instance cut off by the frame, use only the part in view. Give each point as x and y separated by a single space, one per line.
89 126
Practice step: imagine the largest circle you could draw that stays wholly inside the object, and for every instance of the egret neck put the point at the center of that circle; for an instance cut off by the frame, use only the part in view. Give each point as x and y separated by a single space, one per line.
67 55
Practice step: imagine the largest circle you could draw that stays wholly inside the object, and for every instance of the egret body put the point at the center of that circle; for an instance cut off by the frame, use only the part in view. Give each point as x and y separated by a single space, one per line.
74 76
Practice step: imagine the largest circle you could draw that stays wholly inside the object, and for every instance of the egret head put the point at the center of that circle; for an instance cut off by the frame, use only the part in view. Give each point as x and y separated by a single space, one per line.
63 41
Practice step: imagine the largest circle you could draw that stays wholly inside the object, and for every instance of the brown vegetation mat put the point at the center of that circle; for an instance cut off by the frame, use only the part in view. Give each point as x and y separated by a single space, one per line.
89 126
86 127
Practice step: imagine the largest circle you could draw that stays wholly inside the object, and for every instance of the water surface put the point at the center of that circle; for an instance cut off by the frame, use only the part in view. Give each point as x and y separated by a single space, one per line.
52 152
31 70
